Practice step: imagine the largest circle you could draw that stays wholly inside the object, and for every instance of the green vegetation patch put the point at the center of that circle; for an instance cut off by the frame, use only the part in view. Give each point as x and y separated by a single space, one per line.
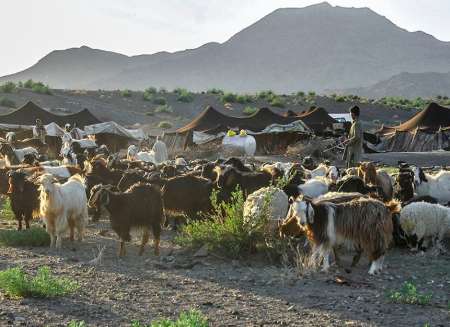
35 236
408 294
192 318
16 283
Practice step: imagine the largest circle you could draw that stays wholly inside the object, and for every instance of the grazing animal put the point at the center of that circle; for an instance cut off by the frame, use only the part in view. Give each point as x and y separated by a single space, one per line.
367 171
187 194
365 223
61 172
270 201
15 156
424 223
238 164
130 178
324 170
62 207
425 198
140 206
230 178
315 187
109 176
133 154
404 186
355 184
437 186
24 197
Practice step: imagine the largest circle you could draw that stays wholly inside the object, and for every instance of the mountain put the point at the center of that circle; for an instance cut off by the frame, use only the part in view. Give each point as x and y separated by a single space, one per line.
407 85
313 48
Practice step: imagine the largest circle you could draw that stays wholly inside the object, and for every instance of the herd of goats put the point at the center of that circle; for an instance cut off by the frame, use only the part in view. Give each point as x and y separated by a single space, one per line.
362 206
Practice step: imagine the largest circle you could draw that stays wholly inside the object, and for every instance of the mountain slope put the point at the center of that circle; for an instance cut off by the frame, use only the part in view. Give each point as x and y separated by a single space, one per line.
313 48
407 85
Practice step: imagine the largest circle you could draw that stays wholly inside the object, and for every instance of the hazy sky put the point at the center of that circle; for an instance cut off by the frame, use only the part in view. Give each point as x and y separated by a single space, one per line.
33 28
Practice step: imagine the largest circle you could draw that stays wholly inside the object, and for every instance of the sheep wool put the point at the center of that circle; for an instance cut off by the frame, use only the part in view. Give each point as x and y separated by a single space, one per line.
425 220
278 205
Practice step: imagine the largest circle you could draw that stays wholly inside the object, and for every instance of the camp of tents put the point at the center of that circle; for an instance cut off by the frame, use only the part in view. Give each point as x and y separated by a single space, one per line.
429 130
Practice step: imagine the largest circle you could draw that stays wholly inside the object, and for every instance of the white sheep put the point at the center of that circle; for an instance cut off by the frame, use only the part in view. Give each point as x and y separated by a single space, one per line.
426 221
436 186
272 199
63 206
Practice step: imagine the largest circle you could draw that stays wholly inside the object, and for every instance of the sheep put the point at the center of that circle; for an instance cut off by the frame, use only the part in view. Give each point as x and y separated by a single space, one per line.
268 200
140 206
437 186
230 178
365 223
367 171
424 222
15 156
62 207
24 197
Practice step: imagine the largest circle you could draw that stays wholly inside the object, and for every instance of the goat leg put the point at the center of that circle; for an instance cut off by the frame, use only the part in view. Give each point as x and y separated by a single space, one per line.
336 257
72 233
145 237
356 257
19 226
156 229
122 249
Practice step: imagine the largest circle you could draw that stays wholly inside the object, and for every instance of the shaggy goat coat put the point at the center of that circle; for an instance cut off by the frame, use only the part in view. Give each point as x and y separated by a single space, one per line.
426 221
437 186
62 207
366 223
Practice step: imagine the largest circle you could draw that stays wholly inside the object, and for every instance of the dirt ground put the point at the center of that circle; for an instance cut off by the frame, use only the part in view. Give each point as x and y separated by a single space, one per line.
248 292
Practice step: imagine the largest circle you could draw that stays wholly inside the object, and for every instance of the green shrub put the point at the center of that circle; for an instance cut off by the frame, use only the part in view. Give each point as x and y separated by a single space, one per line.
35 236
265 95
147 96
165 109
5 102
28 84
5 210
162 90
149 113
244 98
160 100
192 318
215 91
300 94
225 231
39 87
184 96
165 125
249 111
408 294
277 102
126 93
15 283
228 97
151 90
20 84
75 323
8 87
340 98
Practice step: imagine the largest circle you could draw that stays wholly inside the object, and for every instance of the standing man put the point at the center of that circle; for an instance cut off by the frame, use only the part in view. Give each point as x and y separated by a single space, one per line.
39 131
354 146
160 150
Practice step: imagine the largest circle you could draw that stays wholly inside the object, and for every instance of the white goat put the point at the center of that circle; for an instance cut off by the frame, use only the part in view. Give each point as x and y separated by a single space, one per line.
426 221
324 170
436 186
63 206
315 187
133 154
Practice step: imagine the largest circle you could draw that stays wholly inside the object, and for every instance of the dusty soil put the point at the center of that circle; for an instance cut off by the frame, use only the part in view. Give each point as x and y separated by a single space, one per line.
248 292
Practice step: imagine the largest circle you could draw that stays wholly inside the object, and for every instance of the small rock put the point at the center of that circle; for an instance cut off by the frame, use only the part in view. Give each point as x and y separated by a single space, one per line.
202 252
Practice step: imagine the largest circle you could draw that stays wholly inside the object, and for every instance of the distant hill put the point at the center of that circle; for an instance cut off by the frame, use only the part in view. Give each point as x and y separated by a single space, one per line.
313 48
407 85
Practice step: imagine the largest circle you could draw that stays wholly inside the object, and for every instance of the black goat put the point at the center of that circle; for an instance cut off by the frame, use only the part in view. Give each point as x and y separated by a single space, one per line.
351 184
24 197
249 182
139 207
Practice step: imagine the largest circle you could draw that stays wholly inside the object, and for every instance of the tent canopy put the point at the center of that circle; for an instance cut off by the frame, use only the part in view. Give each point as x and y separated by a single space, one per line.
211 121
429 120
113 128
28 113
